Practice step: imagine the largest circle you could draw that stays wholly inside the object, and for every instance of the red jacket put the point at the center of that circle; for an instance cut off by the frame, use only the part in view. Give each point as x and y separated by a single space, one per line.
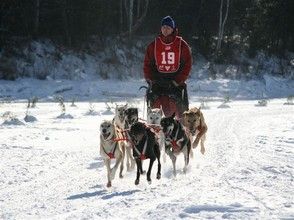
150 70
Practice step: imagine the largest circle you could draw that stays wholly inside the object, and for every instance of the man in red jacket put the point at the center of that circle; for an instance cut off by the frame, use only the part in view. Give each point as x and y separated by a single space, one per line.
167 65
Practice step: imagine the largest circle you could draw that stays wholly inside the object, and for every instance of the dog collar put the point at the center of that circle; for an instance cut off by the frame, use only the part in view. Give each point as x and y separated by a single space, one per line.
155 127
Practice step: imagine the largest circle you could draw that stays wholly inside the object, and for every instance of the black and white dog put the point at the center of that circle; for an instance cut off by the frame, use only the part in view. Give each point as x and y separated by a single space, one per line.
145 147
131 116
176 140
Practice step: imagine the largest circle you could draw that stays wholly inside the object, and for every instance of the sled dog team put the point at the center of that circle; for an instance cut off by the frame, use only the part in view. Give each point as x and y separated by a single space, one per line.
127 137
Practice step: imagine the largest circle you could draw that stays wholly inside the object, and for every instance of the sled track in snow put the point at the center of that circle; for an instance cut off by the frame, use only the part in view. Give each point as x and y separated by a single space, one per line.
229 149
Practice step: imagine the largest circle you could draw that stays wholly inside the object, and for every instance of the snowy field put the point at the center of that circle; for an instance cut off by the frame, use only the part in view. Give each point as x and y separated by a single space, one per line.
51 168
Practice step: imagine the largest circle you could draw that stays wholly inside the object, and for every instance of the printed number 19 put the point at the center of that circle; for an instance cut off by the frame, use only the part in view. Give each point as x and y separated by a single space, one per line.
170 58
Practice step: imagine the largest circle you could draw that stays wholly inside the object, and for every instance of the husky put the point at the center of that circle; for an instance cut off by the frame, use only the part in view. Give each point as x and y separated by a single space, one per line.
176 140
145 147
131 116
110 149
119 124
153 120
119 117
194 122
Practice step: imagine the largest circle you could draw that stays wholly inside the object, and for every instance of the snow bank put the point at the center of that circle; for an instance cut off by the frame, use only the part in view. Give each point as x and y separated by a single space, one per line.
124 60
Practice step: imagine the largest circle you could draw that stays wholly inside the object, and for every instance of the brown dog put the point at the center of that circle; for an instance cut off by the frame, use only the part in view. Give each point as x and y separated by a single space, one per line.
195 124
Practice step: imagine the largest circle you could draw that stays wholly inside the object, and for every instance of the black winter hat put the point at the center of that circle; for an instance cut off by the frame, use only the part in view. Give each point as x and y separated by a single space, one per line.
168 21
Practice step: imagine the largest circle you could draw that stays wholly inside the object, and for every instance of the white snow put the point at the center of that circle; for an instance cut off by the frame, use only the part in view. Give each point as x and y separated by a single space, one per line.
51 168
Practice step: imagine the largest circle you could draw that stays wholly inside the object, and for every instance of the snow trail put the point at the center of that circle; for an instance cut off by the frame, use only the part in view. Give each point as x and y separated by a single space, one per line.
51 168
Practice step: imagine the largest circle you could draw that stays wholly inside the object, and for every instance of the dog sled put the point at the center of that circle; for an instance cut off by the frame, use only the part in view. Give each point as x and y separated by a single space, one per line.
170 98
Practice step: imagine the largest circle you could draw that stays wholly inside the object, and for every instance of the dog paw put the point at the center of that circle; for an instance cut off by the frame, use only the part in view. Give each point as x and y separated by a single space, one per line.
185 170
136 182
149 182
202 150
149 179
158 176
121 176
108 184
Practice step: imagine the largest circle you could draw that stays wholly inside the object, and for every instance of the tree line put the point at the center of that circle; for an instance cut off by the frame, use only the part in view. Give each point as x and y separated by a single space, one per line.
214 28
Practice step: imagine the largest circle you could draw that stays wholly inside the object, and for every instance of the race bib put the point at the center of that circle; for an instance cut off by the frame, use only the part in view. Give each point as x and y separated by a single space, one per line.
167 56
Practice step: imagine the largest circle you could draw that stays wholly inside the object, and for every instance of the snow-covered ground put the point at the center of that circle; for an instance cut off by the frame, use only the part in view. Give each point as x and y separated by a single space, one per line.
51 168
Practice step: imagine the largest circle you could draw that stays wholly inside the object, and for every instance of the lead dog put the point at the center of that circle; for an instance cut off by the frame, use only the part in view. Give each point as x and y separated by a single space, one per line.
196 127
154 117
145 147
110 149
176 140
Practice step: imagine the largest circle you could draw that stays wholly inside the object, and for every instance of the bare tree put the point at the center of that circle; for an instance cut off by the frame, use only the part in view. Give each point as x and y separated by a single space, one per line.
121 15
221 26
130 15
138 8
37 18
66 22
129 8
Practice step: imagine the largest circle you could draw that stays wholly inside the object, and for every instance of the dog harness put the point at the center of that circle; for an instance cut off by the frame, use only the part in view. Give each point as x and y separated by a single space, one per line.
110 154
155 128
141 155
175 142
121 133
